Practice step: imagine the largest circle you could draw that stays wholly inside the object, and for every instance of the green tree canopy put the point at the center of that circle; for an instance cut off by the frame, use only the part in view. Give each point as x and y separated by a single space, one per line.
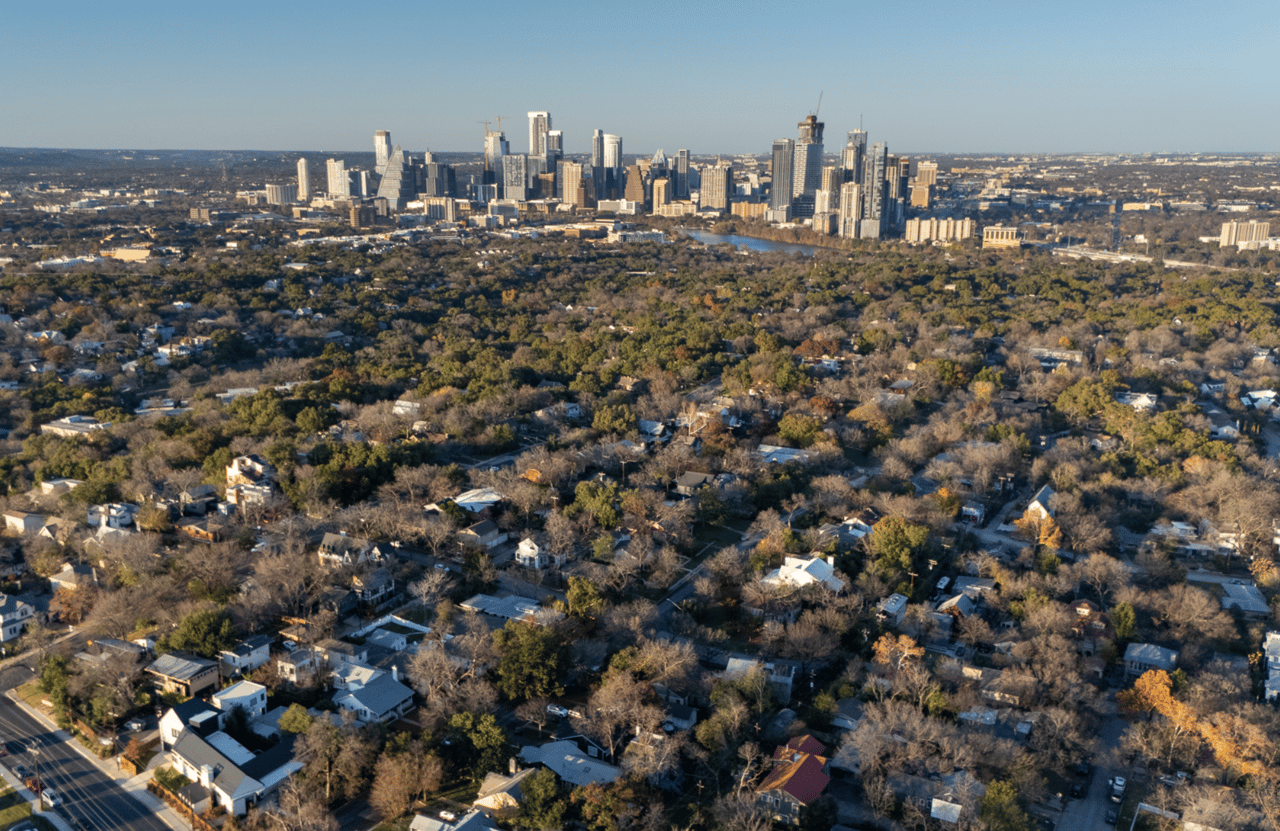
206 632
533 661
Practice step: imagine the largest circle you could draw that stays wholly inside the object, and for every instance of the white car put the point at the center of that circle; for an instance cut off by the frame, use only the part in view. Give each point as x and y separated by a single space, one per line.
50 797
557 711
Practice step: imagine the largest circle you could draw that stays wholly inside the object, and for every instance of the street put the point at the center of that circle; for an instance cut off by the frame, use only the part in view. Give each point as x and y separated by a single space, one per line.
1090 811
89 794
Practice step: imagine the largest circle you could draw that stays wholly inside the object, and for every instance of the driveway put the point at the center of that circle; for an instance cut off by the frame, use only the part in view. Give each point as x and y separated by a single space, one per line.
1090 811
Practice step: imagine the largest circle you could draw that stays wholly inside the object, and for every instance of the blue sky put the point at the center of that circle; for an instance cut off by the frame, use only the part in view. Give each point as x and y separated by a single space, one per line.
1036 76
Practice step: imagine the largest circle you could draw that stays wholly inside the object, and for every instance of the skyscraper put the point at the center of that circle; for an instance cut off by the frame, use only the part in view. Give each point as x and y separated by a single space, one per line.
716 188
784 153
682 174
397 185
808 166
569 181
539 126
282 194
495 147
339 180
851 157
304 180
661 192
515 177
381 150
613 165
850 209
874 191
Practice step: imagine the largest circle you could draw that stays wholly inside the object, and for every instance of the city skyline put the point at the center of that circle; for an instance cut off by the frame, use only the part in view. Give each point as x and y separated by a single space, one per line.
1001 77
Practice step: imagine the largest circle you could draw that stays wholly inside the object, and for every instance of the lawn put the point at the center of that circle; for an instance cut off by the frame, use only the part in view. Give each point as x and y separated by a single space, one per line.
12 807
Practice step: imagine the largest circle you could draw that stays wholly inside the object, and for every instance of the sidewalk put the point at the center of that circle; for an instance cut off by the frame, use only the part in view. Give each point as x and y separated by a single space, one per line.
135 786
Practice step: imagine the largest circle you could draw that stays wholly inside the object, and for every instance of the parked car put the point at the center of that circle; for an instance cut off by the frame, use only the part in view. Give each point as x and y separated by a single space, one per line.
51 797
1078 789
1118 787
22 772
1112 816
557 711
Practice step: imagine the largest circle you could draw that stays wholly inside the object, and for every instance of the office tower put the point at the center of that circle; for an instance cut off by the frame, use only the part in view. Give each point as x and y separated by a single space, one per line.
515 177
597 148
569 182
927 173
304 180
850 209
852 154
682 174
361 185
539 126
612 166
381 150
807 175
661 192
832 179
637 189
339 182
716 188
826 201
555 144
282 194
784 153
874 170
658 164
439 180
495 147
397 185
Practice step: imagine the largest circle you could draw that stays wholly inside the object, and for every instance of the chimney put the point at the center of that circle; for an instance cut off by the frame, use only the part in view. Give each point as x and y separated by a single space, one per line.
206 775
511 766
831 560
395 673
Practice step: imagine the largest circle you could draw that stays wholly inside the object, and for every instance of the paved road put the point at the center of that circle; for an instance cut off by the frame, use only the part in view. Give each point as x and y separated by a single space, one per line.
1090 811
89 794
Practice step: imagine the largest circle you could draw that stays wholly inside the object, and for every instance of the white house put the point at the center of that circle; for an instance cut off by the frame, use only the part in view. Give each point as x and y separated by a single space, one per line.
246 694
568 762
235 777
381 700
1039 507
247 655
118 515
530 555
892 609
800 572
14 617
21 522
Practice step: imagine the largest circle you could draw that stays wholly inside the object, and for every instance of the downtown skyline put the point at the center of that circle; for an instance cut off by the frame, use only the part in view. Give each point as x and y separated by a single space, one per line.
993 77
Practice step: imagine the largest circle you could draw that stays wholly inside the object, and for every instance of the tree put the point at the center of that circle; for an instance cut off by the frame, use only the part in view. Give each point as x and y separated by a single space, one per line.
1000 810
431 587
298 808
482 741
543 807
206 632
534 712
403 774
895 544
296 719
1124 620
617 711
583 599
894 653
613 418
533 661
338 758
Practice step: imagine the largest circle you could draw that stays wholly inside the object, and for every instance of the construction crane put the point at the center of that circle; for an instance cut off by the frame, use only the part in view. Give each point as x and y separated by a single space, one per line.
819 107
486 126
499 120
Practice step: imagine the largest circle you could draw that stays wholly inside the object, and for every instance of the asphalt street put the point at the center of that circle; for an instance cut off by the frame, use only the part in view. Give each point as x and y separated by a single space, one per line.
89 794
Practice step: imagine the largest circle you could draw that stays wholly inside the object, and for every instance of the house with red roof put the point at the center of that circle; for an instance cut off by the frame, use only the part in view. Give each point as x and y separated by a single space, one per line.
797 779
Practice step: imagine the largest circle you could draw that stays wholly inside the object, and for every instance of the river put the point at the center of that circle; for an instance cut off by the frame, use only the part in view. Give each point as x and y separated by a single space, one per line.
752 243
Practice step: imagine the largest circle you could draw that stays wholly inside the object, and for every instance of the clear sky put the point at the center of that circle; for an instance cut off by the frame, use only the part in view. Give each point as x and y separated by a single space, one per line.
925 76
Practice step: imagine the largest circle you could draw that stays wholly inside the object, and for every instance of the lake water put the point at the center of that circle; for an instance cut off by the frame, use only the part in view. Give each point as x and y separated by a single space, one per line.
751 243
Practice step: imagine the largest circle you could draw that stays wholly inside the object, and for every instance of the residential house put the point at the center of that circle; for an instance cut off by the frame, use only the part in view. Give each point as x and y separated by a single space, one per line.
21 522
1245 598
58 530
849 714
196 715
1140 657
531 555
568 762
1271 649
57 487
1090 626
1143 402
1039 507
15 616
228 774
771 454
374 587
801 572
206 528
339 551
118 515
688 483
797 779
485 534
74 426
472 821
892 609
250 470
74 576
198 500
500 794
298 664
477 500
512 607
381 700
246 656
779 674
247 695
188 675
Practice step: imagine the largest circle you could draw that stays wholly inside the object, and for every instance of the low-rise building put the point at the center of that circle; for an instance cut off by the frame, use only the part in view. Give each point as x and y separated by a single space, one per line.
188 675
15 616
1141 657
797 779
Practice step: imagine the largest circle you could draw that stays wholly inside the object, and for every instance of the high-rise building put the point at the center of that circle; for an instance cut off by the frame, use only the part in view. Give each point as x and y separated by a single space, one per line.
874 192
637 188
613 169
661 192
850 209
495 147
539 126
304 180
381 150
1245 235
439 180
360 184
807 176
852 154
339 180
282 194
682 174
927 173
784 154
597 164
555 144
716 189
515 177
397 185
569 182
